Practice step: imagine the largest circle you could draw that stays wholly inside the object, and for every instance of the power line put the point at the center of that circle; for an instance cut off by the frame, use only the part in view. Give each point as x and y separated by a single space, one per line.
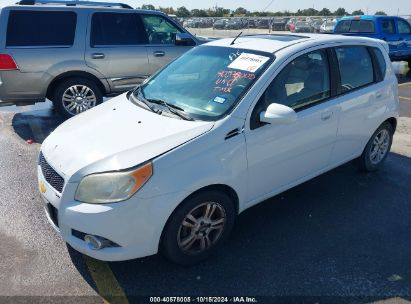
272 1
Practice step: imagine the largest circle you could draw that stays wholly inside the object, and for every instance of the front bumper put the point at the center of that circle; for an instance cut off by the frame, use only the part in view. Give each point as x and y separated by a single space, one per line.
135 225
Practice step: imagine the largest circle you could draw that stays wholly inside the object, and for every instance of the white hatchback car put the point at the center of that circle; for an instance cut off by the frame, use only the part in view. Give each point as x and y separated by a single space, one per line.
167 168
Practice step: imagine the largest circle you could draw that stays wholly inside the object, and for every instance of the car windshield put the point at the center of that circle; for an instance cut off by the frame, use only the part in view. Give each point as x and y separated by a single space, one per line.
206 82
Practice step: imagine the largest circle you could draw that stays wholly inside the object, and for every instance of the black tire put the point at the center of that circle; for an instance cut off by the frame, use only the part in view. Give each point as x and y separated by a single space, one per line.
169 246
63 86
365 161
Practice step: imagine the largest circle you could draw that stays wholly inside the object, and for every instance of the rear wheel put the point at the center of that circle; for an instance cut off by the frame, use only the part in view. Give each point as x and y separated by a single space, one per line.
377 148
76 95
198 227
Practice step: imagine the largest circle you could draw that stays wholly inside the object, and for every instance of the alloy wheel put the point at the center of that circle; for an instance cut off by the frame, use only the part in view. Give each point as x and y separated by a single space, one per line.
379 147
78 98
201 228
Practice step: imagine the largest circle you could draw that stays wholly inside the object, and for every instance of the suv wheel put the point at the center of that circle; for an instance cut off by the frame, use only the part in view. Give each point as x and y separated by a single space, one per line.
198 227
377 148
76 95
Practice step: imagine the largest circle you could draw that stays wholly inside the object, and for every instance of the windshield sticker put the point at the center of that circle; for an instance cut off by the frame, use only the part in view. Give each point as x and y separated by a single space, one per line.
234 55
248 62
227 79
219 99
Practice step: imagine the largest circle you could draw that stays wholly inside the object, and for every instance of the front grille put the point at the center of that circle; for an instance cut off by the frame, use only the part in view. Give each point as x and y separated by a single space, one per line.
53 213
51 176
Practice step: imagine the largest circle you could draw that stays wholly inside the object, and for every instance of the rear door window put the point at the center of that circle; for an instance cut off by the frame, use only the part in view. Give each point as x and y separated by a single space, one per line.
116 29
41 28
388 26
356 68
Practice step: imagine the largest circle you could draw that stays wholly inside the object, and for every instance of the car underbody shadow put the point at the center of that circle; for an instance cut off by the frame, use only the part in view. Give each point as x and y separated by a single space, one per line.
36 125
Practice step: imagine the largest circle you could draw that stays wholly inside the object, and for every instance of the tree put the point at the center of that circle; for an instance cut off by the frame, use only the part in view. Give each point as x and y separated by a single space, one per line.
182 12
218 12
310 12
199 13
357 13
325 12
240 11
148 7
340 12
167 10
381 13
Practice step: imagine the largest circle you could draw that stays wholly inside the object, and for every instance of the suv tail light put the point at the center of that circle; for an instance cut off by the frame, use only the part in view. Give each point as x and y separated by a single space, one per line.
7 63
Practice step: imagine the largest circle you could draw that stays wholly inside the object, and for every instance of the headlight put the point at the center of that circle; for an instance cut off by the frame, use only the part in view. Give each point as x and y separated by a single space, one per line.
112 187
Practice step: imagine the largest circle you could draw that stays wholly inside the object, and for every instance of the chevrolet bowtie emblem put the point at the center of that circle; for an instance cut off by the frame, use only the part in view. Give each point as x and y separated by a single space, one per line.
42 187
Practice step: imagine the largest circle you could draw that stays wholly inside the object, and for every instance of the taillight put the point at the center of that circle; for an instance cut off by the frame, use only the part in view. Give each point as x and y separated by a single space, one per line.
7 63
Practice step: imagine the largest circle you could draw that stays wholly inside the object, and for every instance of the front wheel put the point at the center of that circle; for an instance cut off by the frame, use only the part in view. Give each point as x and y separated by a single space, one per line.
76 95
198 227
377 148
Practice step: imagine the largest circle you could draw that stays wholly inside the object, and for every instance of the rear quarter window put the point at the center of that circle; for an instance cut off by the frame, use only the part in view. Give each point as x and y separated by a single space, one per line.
41 28
382 65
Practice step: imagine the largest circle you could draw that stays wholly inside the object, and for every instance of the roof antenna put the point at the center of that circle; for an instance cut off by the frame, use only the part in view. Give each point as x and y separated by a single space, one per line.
232 42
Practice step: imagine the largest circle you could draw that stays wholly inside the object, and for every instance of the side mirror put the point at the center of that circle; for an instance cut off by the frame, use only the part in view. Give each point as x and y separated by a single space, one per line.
278 114
184 39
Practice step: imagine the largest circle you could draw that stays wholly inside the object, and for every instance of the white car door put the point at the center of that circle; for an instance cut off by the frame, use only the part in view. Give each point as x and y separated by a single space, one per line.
363 99
280 156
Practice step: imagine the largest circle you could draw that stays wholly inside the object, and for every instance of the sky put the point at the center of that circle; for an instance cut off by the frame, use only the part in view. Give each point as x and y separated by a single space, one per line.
392 7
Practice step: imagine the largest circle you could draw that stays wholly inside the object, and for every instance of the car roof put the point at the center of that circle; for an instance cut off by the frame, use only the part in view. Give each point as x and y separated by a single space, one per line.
274 43
79 6
366 17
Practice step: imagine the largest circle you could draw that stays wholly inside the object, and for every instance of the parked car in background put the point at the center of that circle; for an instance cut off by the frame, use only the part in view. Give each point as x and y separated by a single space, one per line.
263 24
251 23
303 27
220 24
93 51
316 26
278 24
234 24
194 160
328 27
394 30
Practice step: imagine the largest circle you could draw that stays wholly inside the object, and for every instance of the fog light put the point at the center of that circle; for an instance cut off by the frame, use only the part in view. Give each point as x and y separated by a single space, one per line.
96 242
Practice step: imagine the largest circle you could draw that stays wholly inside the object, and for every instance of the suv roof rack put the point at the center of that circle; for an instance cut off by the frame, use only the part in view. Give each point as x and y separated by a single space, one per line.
74 3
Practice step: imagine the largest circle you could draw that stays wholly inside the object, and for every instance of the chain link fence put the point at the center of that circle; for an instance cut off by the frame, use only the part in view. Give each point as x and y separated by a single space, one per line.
232 26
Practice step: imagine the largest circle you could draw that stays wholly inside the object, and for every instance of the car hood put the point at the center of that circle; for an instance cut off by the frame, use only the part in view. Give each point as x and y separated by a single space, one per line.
113 136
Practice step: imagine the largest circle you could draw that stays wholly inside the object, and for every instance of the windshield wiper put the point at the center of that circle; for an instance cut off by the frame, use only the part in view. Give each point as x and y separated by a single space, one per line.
142 99
172 108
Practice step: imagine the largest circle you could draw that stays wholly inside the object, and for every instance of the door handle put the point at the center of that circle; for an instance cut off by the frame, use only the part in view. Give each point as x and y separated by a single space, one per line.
159 53
326 115
378 95
98 56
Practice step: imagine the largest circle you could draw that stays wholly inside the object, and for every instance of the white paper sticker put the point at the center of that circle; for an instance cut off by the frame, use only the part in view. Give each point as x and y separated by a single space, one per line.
248 62
219 99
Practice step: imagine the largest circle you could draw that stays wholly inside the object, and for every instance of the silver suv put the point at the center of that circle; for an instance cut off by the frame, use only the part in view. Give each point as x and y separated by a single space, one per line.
75 53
